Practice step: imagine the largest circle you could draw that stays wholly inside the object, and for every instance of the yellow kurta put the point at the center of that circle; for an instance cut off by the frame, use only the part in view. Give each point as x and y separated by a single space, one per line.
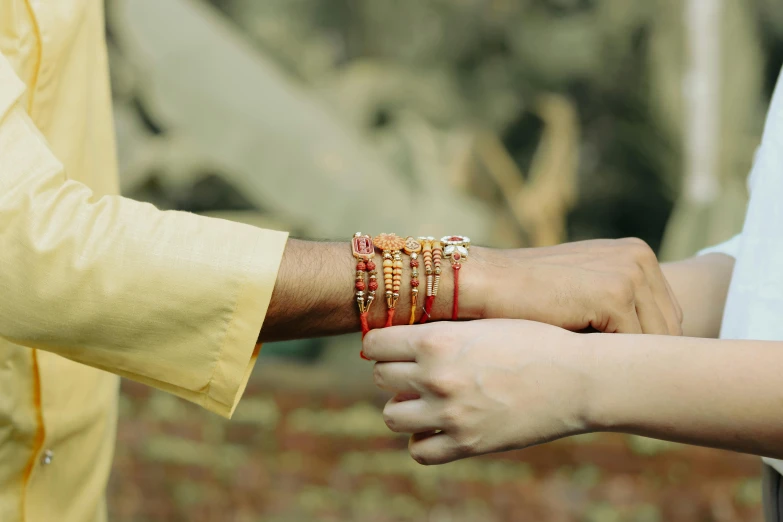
90 281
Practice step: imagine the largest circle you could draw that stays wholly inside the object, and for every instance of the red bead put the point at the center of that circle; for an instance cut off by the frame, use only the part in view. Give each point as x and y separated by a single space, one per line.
360 285
414 283
370 266
456 256
414 263
373 286
361 266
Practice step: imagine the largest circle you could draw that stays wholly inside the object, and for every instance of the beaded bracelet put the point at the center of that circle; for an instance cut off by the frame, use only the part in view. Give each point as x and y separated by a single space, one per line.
432 256
457 249
413 248
391 246
364 251
426 254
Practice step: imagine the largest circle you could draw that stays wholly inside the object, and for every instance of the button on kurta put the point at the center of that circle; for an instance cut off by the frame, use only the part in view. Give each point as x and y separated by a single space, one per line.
47 457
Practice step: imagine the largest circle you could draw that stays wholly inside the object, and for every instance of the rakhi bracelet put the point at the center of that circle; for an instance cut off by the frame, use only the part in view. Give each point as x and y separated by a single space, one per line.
391 246
413 249
426 254
433 277
364 251
456 249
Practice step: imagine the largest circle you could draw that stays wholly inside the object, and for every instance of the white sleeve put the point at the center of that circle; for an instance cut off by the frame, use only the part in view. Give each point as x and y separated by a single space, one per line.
730 247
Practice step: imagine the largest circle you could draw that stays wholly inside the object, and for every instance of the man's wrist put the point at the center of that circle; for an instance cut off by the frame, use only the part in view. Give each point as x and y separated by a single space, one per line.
314 293
488 275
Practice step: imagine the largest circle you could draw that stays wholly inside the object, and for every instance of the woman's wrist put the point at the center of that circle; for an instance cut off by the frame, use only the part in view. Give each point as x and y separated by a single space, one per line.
600 405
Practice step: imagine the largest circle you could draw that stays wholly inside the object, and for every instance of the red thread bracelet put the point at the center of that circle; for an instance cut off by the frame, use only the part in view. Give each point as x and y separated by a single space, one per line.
426 254
456 249
433 279
364 251
413 249
391 245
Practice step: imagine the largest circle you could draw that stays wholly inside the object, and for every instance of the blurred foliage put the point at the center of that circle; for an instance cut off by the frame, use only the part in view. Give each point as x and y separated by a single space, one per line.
309 443
485 64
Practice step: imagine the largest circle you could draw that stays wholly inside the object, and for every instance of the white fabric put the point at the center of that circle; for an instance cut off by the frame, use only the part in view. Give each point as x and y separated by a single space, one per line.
754 309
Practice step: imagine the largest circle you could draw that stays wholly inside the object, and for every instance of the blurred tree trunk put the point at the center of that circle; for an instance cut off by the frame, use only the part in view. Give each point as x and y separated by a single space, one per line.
720 96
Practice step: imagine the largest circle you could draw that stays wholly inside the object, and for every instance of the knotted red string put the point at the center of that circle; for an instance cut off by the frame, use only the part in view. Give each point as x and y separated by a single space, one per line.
428 302
389 317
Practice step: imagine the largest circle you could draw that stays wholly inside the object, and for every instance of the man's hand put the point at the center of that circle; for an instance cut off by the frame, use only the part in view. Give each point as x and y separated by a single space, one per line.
465 389
613 286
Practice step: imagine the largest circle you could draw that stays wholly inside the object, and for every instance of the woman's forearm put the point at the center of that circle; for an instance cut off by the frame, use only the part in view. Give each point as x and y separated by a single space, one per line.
722 394
701 284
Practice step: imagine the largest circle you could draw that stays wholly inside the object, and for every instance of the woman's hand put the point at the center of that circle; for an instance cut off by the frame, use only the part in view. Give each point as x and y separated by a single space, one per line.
465 389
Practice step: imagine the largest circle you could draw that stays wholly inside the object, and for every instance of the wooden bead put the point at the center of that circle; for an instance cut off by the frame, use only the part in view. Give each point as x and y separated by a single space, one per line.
387 270
387 262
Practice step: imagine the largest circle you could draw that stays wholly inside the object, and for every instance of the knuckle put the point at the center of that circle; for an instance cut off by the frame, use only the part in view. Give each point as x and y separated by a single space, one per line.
438 341
632 242
635 276
450 418
620 291
639 249
431 344
442 382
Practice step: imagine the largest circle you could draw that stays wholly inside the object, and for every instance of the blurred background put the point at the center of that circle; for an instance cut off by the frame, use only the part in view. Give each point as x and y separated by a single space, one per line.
516 122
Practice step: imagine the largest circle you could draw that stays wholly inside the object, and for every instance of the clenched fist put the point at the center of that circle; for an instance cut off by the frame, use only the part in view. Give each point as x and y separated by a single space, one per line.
465 389
613 286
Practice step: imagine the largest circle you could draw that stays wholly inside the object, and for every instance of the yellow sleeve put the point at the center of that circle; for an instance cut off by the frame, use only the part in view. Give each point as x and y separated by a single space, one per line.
170 299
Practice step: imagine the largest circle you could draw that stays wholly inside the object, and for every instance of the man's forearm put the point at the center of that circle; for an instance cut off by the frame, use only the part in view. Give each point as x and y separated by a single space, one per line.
722 394
701 285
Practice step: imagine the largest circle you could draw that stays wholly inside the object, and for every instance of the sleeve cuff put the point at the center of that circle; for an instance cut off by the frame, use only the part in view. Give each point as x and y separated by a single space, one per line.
730 247
240 349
